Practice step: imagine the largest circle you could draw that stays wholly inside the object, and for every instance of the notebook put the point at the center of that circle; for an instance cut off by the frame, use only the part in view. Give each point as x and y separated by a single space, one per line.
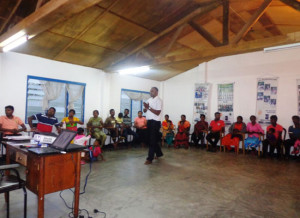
61 143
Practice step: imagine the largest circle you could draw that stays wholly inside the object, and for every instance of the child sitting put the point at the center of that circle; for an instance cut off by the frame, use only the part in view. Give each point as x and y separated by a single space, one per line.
81 139
271 137
120 124
296 147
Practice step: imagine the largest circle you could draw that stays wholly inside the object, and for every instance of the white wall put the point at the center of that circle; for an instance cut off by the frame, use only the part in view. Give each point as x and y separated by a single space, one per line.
102 89
118 82
15 68
243 70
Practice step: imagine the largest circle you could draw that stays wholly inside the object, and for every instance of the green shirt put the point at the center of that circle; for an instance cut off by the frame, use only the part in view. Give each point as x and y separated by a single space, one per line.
95 122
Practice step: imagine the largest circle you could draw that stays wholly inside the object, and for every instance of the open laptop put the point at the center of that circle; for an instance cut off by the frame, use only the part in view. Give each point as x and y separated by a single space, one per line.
61 143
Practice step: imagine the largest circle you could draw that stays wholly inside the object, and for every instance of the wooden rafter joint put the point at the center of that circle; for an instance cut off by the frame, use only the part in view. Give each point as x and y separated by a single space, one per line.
292 3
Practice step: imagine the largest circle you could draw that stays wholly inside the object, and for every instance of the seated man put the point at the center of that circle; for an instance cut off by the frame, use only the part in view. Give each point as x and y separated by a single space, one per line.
294 133
216 127
9 124
45 121
127 128
140 123
199 127
182 136
110 125
276 143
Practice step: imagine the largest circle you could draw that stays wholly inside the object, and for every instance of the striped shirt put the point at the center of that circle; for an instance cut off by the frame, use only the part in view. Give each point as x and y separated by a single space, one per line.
45 123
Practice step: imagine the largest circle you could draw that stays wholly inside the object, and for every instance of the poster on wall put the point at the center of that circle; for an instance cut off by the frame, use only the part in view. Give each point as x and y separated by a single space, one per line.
200 101
225 102
298 94
266 99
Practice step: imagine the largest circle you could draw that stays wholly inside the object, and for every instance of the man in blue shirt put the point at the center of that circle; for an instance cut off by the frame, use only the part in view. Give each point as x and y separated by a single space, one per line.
294 133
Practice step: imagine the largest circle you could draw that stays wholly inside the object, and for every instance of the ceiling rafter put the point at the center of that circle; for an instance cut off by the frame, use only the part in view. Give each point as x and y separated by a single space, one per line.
10 16
292 3
173 40
254 18
92 23
48 15
198 12
203 32
79 40
225 22
230 49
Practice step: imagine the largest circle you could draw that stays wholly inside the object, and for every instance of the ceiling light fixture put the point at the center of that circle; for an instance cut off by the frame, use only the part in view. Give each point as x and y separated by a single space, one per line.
15 43
281 47
12 38
134 70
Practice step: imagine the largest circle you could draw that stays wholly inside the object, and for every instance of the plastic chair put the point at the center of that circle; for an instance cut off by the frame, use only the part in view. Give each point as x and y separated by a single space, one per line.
10 183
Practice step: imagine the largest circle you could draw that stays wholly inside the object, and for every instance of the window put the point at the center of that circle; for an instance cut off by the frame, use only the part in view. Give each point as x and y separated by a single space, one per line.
43 93
133 100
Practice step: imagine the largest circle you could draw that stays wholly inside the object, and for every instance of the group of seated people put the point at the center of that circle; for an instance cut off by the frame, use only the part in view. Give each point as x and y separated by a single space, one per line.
120 127
216 131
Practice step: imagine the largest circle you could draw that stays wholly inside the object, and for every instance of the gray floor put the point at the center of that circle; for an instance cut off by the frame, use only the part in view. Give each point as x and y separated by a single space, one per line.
184 183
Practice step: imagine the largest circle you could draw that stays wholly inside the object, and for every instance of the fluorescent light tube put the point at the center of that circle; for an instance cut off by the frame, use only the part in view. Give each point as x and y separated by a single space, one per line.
12 38
15 43
282 47
134 70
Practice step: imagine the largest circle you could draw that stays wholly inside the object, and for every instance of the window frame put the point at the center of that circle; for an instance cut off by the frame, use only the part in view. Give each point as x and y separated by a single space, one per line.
67 94
131 90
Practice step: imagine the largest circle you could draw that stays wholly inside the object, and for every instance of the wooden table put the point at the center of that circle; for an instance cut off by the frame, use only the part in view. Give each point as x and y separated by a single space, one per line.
48 173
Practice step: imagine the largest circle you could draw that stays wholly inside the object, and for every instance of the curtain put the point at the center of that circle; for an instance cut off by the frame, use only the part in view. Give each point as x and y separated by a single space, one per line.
138 96
75 92
52 91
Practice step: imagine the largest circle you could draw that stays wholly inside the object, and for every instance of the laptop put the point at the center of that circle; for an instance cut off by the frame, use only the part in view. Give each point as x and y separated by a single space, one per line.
61 144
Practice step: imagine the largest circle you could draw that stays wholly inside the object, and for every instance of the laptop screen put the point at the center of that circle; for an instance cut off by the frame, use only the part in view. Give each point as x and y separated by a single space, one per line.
63 139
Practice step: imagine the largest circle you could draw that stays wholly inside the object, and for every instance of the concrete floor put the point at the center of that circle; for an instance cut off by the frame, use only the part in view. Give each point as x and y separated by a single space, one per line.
184 183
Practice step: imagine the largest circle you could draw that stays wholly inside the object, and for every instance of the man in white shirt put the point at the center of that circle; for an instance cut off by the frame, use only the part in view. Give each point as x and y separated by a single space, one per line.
153 109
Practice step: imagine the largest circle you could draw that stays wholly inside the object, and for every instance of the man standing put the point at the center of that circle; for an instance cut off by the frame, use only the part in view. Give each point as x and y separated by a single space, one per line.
45 121
153 108
9 124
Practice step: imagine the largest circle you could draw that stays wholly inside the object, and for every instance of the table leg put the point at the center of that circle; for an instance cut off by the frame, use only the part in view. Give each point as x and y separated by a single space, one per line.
41 191
77 184
40 205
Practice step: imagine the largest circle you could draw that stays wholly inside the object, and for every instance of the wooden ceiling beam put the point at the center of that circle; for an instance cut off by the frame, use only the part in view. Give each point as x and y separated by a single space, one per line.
39 4
49 15
292 3
203 32
92 23
225 22
10 16
250 46
254 18
173 40
198 12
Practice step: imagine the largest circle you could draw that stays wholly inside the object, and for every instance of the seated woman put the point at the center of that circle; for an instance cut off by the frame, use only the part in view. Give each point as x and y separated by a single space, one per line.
182 136
71 121
234 136
95 126
199 127
253 130
167 131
